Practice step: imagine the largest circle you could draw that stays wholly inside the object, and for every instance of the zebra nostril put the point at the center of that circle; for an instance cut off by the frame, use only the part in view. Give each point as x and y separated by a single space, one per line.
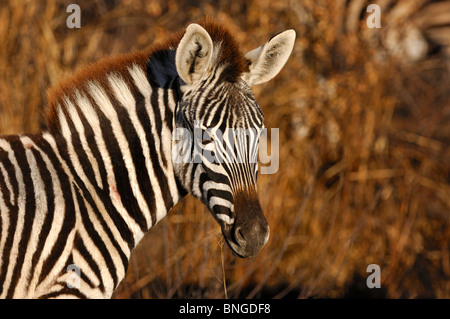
239 236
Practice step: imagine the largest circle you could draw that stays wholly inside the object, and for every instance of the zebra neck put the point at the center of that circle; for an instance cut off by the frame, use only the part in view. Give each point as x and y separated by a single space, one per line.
115 139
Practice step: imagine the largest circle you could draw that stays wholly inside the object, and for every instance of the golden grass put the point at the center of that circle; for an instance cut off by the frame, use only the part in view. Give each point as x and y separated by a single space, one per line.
364 171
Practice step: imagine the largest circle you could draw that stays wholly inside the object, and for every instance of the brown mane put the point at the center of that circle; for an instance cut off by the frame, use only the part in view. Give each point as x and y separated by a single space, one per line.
230 56
230 53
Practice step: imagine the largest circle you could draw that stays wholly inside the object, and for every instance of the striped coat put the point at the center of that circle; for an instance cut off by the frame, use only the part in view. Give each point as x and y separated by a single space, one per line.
76 199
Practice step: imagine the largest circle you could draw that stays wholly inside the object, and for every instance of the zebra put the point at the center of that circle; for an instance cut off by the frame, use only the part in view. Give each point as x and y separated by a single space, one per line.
76 198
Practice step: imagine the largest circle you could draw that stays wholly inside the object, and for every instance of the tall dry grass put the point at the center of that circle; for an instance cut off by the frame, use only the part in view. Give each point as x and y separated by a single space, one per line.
364 153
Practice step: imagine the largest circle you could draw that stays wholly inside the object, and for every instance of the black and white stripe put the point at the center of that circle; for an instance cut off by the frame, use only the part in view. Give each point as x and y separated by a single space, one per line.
84 193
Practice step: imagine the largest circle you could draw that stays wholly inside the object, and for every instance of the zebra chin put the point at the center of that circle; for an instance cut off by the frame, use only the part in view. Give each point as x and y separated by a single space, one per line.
249 232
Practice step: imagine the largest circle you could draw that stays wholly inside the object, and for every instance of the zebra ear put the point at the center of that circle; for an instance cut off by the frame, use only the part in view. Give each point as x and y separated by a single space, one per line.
193 53
269 59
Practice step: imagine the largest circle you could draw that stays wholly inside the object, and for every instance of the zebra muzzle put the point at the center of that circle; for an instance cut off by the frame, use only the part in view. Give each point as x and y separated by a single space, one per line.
250 231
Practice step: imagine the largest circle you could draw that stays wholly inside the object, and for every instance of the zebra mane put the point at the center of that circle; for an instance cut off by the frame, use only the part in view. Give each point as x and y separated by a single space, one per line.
230 57
98 72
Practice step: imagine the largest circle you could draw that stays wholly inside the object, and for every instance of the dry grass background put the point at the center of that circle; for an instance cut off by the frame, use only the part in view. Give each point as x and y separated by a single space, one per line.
364 171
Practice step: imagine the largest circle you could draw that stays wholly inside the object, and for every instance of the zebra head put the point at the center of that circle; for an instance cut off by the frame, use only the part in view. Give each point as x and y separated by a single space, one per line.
218 124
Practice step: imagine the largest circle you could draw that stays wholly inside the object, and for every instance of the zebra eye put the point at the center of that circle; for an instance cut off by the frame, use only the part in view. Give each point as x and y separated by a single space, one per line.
206 142
207 138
